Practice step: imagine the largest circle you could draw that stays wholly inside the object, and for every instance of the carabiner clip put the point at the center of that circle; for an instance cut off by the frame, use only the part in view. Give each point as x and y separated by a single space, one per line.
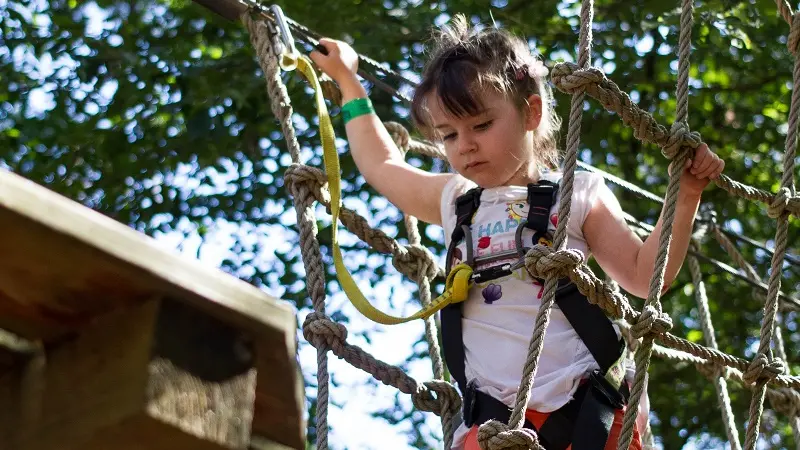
288 59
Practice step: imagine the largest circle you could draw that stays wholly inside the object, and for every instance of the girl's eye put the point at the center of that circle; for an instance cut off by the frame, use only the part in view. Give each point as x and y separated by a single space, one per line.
484 125
448 137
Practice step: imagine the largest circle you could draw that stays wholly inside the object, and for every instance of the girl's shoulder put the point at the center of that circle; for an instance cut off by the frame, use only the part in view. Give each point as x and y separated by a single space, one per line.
585 182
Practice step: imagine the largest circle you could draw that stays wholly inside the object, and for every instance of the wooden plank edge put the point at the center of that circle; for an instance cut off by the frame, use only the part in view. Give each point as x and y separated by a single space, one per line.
67 217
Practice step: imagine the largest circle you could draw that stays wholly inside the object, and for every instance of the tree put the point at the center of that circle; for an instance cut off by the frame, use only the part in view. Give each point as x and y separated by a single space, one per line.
176 91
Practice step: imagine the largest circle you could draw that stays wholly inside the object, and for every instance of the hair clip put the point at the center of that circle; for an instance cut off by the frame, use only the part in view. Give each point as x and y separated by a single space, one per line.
520 72
538 69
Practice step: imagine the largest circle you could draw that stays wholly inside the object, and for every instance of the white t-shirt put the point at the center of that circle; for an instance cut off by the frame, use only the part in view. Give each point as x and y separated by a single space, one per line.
499 315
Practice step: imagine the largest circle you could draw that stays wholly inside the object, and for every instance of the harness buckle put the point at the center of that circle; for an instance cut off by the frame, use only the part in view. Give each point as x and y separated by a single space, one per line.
469 403
608 391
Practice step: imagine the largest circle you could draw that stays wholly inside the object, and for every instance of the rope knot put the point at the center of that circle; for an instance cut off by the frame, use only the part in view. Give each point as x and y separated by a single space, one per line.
651 322
570 79
762 370
399 135
793 42
680 138
298 176
542 261
780 202
415 262
322 332
495 435
445 401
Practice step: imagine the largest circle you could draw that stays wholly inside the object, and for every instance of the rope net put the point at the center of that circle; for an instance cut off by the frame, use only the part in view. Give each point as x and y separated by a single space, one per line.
648 330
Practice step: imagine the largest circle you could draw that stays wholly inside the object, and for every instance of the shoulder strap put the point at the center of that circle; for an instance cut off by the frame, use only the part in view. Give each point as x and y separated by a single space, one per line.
452 338
592 325
466 206
541 197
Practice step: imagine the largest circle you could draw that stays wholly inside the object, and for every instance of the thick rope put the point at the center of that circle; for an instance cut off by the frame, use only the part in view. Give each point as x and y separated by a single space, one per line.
737 256
410 260
449 421
764 355
720 384
495 435
784 400
303 204
568 263
307 185
678 152
569 78
435 396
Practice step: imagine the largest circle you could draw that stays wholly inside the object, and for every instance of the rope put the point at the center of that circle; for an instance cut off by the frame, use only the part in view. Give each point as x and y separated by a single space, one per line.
708 332
568 78
764 357
303 201
307 186
675 149
438 397
784 400
495 435
401 138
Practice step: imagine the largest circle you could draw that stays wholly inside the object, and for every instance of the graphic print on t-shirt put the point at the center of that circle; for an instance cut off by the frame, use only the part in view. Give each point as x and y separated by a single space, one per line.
492 293
493 237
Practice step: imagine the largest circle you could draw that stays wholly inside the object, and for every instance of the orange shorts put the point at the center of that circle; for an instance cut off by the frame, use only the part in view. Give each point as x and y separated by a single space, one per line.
537 419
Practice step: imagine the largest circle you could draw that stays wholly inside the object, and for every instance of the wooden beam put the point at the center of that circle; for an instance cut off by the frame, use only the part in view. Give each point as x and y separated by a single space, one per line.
64 264
106 387
67 272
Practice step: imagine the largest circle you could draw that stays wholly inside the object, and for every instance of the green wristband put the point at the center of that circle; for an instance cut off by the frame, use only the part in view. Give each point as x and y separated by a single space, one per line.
356 107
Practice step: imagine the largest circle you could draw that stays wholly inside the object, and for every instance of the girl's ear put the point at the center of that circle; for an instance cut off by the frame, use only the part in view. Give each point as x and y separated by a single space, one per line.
533 112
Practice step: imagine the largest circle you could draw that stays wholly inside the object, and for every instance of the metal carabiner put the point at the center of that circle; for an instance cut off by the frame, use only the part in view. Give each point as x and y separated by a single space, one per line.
283 28
288 58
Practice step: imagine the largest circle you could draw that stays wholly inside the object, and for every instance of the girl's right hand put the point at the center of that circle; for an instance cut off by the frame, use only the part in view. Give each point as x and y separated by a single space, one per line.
341 62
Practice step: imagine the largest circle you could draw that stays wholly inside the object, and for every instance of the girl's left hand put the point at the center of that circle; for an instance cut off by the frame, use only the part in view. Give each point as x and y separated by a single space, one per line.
700 170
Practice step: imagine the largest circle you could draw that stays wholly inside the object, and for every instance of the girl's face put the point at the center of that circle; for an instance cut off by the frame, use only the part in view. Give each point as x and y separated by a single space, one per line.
493 148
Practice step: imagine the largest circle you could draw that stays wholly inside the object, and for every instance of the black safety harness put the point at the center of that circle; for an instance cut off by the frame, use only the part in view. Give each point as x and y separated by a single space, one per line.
585 422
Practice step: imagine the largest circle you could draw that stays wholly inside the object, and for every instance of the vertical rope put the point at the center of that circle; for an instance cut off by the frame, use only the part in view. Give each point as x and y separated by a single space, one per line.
493 434
751 273
781 350
303 203
559 241
720 384
653 303
764 358
431 334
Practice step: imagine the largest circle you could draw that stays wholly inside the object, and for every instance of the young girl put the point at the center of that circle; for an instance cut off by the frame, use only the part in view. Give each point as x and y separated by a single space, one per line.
484 97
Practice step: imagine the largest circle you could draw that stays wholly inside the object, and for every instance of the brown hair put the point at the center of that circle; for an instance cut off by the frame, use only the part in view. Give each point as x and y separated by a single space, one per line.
466 60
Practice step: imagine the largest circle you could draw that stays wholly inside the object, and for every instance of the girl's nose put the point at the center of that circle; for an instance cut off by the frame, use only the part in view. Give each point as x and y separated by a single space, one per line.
466 145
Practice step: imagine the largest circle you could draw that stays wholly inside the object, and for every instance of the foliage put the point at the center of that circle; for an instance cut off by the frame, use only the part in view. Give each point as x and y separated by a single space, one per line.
177 92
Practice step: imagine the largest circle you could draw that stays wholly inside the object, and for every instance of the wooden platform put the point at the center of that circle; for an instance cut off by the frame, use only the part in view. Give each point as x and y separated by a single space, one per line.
117 344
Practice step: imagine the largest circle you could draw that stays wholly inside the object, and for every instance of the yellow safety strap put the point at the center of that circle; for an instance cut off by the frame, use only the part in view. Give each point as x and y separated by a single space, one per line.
458 280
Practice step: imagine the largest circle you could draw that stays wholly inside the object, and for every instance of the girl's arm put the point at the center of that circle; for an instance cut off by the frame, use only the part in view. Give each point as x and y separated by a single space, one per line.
414 191
628 260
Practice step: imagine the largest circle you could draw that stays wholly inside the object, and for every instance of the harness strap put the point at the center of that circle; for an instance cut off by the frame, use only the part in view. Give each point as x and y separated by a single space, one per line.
595 330
541 197
466 206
